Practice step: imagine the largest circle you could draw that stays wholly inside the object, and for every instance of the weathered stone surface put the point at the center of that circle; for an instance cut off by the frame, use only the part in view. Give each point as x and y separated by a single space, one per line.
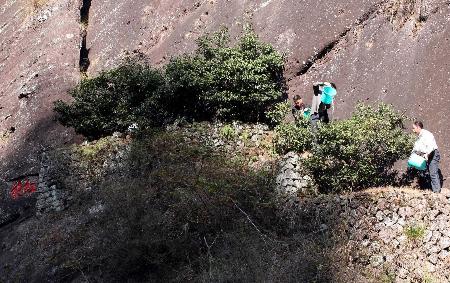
39 53
399 239
359 44
444 243
292 180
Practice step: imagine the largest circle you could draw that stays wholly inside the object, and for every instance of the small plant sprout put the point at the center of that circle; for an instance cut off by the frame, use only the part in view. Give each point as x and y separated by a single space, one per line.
414 232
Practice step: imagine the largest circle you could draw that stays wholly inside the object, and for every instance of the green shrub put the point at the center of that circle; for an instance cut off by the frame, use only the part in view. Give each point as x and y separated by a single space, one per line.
95 152
278 112
428 278
114 100
292 137
226 82
238 82
356 153
388 277
414 232
359 152
227 132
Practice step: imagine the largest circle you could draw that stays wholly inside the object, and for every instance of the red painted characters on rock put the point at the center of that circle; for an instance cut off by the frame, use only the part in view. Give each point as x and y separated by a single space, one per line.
20 189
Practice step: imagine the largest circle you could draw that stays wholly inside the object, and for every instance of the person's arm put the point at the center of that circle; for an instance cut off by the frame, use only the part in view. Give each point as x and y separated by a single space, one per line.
315 104
421 148
316 97
417 148
428 141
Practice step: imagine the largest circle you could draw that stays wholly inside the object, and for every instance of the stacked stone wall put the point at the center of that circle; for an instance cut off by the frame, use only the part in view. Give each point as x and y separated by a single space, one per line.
50 196
401 235
396 234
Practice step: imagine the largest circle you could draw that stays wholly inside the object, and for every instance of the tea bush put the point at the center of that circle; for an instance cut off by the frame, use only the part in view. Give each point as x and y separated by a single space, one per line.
355 153
359 152
218 81
238 82
278 112
114 100
293 137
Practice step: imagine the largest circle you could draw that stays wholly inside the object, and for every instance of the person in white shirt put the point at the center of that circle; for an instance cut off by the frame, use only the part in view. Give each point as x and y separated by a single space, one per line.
426 146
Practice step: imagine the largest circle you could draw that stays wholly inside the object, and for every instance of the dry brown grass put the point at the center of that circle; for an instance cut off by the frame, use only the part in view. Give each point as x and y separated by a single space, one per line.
31 6
409 190
37 4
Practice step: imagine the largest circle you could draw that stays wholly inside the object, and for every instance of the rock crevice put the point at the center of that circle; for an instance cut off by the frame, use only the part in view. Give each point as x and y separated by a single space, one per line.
329 47
84 22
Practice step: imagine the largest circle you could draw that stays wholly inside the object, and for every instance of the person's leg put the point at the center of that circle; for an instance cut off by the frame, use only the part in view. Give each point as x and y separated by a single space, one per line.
325 117
433 168
314 120
314 127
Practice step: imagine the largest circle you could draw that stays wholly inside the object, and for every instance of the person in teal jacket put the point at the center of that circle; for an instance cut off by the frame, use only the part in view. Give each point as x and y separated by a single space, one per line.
319 110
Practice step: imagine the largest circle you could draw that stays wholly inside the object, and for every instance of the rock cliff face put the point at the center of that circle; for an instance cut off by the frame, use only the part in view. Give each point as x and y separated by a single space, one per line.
392 50
39 56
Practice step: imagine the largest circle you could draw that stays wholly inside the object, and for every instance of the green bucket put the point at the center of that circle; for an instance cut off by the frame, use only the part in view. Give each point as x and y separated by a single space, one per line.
307 113
417 161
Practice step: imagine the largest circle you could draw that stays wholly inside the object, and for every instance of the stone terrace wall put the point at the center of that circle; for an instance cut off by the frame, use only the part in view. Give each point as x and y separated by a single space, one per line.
84 166
388 234
49 196
230 136
67 171
292 182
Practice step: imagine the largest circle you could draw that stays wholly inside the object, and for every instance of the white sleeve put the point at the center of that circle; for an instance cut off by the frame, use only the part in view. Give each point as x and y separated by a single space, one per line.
416 146
419 145
426 143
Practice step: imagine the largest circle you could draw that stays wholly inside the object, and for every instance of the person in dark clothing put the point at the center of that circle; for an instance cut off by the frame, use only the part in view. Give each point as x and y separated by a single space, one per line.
298 107
319 110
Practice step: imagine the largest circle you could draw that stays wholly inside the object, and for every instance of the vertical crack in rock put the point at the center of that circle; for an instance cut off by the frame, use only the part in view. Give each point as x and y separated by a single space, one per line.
84 21
331 46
